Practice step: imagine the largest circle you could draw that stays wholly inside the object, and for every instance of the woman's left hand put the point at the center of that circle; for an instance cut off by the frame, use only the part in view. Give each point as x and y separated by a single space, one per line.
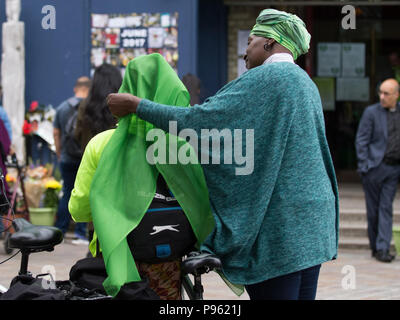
121 104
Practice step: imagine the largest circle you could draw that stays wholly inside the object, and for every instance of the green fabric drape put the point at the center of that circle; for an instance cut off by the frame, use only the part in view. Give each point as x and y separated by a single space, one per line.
286 28
124 183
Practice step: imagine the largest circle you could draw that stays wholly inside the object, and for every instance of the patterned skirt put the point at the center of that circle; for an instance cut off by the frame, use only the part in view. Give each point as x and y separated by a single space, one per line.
164 278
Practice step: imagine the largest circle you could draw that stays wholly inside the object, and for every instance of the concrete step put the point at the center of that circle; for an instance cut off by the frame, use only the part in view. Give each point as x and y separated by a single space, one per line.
360 215
352 229
353 217
353 234
353 243
358 243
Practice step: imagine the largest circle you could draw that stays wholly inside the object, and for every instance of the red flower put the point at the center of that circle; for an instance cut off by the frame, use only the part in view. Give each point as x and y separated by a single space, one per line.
34 106
26 128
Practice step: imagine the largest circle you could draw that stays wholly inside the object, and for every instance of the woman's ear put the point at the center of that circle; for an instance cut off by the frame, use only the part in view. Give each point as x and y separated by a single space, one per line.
270 42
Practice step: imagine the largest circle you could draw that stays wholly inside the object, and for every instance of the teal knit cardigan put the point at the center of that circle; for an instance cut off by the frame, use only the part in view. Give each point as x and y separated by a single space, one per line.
284 216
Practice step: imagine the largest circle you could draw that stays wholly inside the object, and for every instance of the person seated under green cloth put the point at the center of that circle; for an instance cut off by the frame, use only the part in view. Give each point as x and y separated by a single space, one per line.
115 184
278 223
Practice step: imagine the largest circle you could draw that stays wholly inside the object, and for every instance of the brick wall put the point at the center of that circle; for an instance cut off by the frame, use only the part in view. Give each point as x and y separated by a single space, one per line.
239 18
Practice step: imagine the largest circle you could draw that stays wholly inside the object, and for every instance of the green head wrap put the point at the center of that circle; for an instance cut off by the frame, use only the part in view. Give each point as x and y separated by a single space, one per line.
287 29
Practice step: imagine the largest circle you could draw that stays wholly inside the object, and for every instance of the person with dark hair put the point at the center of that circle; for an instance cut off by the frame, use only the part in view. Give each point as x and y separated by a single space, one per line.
68 164
94 116
120 197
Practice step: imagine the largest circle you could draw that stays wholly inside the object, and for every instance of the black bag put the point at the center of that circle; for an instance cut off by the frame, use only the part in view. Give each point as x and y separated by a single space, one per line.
71 145
25 287
138 290
161 236
90 273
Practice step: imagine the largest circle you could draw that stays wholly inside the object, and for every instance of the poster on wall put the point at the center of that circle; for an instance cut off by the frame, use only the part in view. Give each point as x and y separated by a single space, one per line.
352 89
353 60
118 38
326 88
329 59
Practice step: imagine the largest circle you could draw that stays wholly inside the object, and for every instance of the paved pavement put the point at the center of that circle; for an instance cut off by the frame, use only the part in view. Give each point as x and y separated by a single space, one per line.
353 276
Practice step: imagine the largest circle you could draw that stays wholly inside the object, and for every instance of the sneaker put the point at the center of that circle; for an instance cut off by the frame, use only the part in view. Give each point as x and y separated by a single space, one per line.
80 241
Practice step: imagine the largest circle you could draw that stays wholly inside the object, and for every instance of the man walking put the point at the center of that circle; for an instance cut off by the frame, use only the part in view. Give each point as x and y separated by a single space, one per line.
69 164
378 153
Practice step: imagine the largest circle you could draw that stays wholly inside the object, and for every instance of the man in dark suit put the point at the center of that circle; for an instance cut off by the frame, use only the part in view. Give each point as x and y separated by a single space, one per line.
378 153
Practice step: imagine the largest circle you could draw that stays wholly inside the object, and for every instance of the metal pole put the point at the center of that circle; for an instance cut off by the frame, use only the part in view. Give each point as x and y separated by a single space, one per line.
198 288
24 263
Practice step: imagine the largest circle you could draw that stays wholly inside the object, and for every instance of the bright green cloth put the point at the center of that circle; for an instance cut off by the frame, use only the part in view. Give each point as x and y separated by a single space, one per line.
124 183
286 28
79 203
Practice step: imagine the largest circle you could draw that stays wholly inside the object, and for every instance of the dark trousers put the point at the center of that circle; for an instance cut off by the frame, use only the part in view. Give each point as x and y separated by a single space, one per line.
68 173
300 285
41 152
380 185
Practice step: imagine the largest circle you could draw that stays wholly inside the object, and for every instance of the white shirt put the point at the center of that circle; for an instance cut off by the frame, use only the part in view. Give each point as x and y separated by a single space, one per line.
279 57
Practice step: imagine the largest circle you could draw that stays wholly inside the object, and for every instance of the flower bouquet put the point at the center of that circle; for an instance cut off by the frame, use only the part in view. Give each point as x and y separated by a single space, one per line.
51 194
43 192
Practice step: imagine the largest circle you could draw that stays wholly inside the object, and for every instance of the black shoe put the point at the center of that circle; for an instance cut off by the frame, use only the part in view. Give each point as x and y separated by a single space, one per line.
373 253
383 256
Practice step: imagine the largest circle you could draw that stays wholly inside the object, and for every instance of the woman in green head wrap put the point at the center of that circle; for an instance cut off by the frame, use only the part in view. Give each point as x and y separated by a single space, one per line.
276 210
276 32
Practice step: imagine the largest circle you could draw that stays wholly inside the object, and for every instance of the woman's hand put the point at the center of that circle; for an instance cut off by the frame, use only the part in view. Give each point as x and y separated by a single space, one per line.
121 104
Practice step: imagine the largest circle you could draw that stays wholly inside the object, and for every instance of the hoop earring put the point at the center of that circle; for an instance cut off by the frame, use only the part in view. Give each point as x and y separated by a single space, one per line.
267 47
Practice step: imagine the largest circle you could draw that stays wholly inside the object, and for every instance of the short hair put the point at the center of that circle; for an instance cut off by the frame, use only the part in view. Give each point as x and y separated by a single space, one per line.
83 82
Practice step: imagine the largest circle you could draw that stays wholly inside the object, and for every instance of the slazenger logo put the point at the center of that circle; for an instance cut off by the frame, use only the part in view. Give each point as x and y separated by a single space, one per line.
158 229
